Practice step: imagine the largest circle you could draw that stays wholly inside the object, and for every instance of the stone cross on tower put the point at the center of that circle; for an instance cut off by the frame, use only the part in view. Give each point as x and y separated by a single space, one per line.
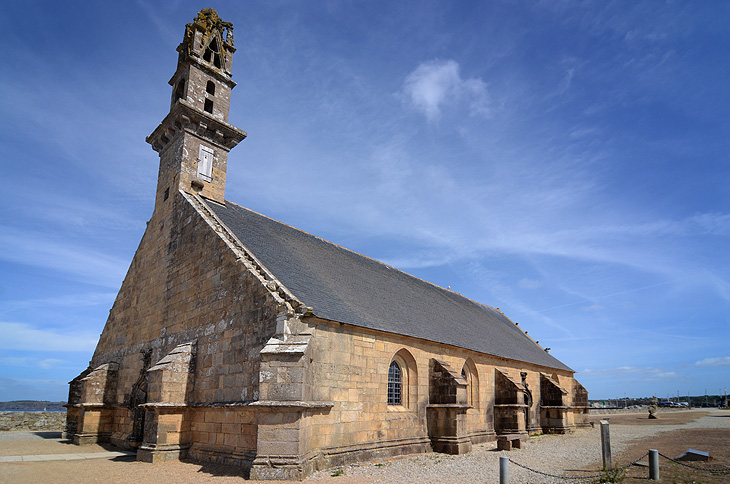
194 138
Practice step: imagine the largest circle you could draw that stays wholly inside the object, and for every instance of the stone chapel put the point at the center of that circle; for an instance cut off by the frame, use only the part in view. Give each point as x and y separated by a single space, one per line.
241 340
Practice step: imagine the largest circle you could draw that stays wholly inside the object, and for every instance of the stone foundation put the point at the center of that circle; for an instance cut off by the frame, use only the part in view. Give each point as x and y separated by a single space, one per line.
162 452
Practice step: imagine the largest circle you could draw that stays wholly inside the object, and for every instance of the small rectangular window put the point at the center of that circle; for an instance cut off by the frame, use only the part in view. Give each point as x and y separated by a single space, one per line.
205 163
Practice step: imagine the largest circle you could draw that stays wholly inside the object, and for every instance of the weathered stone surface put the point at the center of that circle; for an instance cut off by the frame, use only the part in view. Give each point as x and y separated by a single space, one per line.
33 421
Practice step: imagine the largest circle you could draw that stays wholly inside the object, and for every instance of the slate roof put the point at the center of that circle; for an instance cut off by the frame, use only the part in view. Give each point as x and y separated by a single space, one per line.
347 287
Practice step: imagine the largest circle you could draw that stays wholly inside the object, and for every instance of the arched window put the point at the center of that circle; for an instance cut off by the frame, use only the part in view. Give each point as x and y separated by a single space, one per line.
466 375
210 88
395 384
469 373
212 54
402 391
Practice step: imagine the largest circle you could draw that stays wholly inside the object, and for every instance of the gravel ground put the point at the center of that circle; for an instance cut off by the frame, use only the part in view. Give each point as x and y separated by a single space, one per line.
557 454
553 454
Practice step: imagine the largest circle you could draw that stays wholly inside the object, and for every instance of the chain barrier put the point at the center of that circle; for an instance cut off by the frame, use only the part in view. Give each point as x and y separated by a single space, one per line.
596 476
555 475
699 468
578 478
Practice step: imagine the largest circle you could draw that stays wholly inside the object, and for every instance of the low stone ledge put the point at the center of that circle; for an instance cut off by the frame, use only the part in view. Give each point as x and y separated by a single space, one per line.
329 457
32 421
259 403
292 404
96 405
165 405
449 405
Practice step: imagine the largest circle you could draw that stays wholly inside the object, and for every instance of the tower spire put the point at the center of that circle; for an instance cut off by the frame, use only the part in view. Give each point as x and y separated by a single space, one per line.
195 137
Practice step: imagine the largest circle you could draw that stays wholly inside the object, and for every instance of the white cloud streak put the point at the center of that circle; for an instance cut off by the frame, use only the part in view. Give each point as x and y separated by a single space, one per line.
66 301
24 337
434 85
719 361
526 283
648 373
28 362
40 250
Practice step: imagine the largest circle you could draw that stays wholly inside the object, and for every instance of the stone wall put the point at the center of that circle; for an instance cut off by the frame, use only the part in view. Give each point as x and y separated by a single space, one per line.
223 435
184 285
197 80
350 366
184 288
33 421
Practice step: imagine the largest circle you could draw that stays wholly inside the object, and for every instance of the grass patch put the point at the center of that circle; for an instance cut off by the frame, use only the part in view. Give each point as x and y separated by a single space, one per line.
612 475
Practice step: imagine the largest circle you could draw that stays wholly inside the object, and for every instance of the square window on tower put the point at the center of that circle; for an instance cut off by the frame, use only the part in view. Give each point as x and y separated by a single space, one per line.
205 163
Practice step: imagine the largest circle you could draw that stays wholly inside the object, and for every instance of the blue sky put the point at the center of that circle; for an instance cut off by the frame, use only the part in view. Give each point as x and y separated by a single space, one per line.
565 161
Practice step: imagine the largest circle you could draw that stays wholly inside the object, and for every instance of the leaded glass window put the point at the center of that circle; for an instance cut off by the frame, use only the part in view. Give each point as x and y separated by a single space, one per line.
395 384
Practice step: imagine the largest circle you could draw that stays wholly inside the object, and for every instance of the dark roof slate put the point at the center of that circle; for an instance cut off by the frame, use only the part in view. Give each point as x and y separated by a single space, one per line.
347 287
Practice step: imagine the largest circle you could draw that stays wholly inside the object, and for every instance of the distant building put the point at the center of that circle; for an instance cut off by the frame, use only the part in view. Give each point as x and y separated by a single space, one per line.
241 340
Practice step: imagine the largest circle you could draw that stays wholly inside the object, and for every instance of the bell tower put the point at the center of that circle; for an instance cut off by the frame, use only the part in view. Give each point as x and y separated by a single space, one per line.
194 138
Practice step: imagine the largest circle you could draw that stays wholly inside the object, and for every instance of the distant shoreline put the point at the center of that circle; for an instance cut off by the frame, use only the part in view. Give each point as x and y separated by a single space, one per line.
32 406
32 410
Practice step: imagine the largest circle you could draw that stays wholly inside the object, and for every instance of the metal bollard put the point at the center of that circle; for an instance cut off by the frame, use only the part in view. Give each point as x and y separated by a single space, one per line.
653 465
503 470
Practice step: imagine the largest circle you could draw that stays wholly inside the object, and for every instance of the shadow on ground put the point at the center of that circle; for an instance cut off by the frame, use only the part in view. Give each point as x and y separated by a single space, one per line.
58 437
124 458
48 435
220 470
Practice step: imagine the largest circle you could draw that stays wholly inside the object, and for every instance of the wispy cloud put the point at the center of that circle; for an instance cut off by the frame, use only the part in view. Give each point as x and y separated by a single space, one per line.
22 336
70 300
438 83
584 298
48 363
76 213
647 373
33 389
526 283
593 307
41 250
712 223
163 26
719 361
29 362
